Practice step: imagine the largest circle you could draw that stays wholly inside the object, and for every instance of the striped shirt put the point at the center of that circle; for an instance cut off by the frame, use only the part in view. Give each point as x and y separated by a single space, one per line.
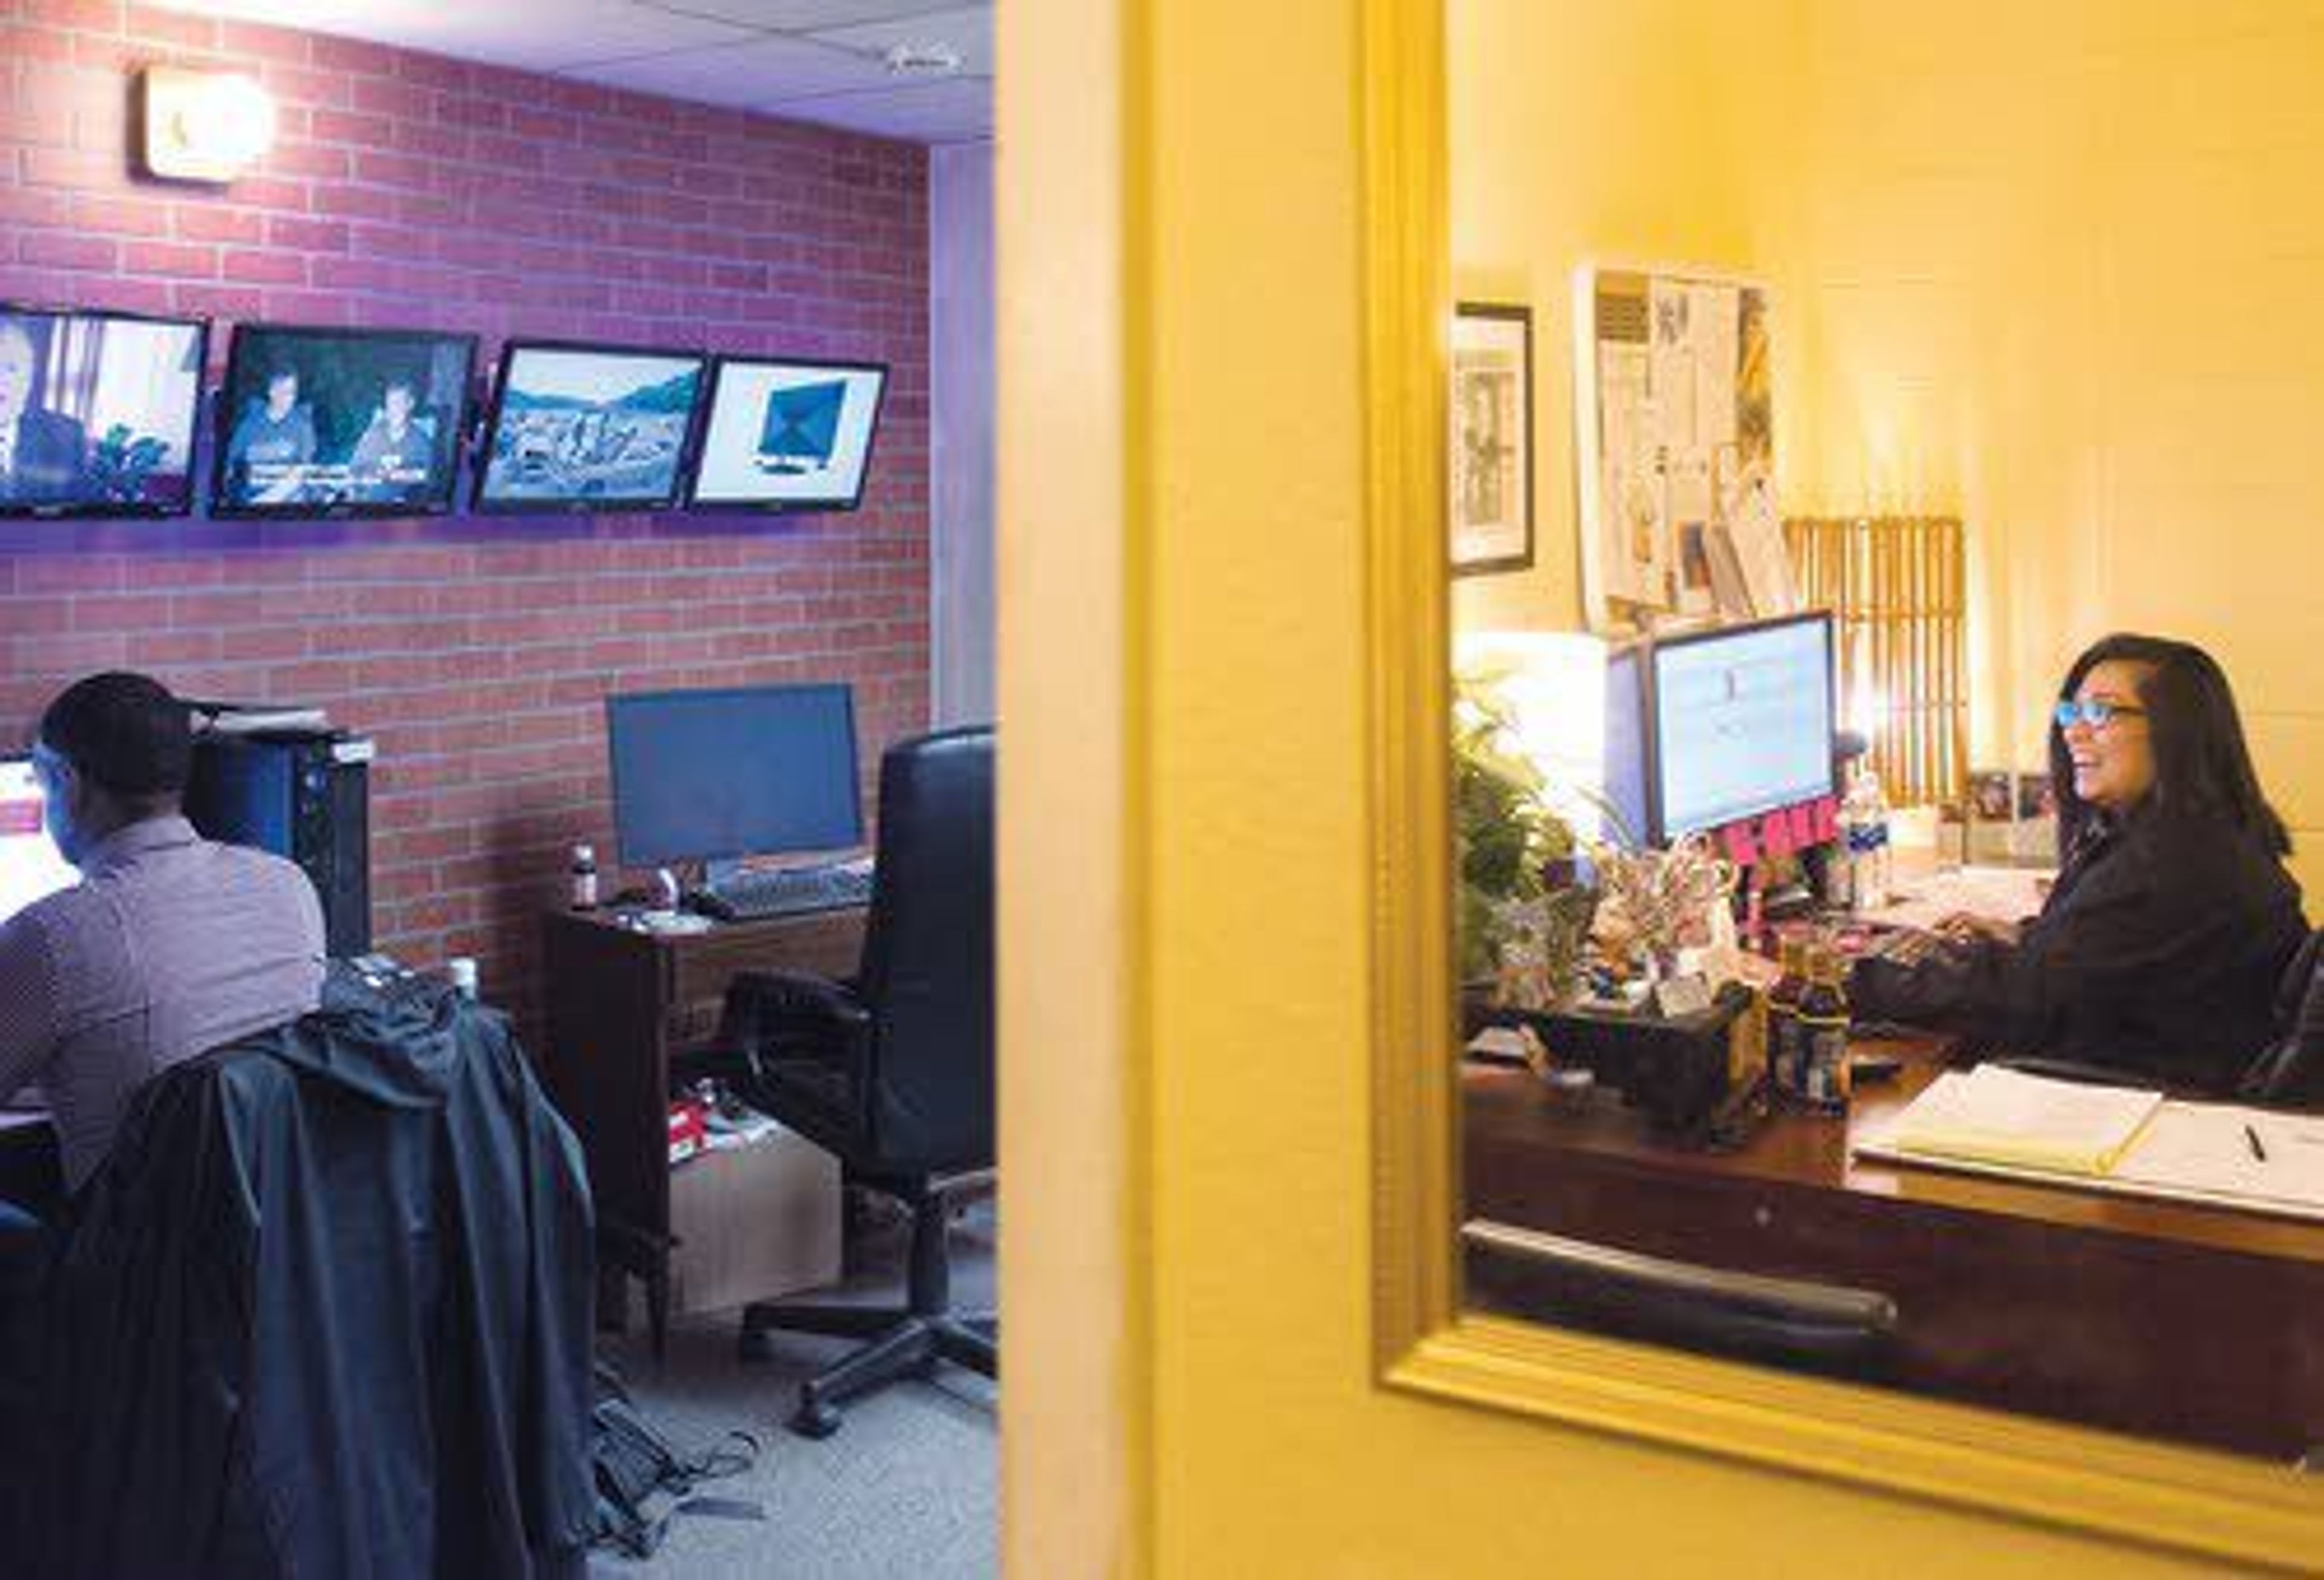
170 946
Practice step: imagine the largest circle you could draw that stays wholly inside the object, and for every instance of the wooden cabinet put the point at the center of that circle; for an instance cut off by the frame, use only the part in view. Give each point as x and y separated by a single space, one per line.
623 1008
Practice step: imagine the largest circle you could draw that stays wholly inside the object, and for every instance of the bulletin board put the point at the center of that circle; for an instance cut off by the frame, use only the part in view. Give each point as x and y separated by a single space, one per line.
1676 448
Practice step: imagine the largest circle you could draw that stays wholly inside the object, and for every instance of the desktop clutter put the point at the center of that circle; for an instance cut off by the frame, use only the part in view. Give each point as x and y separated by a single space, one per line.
1649 965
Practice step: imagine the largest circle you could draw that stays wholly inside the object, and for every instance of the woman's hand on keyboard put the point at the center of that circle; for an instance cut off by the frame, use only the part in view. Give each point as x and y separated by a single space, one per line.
1961 927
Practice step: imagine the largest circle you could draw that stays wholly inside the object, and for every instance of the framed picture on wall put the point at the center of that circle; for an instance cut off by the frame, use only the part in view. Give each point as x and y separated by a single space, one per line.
1491 410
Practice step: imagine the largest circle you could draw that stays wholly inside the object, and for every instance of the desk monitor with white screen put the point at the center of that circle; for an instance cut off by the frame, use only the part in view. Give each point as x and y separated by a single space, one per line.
30 866
710 776
1742 722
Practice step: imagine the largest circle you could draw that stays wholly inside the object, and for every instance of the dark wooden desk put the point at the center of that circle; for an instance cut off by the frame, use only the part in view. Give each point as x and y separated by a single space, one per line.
2183 1323
623 1005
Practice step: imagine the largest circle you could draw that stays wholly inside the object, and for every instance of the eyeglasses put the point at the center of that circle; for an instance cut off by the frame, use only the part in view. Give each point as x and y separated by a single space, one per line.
2097 712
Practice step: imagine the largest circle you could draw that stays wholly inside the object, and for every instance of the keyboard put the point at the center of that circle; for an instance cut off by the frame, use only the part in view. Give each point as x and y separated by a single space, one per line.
758 893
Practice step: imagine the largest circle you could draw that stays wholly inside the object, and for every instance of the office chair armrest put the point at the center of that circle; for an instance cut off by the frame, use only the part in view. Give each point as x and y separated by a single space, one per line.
801 1014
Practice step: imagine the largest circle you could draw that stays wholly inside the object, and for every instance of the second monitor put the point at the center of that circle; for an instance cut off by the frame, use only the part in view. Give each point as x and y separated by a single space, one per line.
714 775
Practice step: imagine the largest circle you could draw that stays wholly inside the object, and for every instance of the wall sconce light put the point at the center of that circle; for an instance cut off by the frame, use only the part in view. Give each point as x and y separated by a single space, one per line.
204 125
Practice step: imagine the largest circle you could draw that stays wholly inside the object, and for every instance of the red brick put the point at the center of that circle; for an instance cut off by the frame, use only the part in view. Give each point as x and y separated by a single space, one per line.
263 268
199 221
178 258
49 251
306 236
122 216
279 44
152 24
101 16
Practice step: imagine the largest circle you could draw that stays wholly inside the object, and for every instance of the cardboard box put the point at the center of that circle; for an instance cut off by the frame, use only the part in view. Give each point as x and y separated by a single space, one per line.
753 1223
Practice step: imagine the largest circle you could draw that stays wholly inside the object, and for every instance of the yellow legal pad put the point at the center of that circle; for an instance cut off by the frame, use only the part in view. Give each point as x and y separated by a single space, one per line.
1996 1116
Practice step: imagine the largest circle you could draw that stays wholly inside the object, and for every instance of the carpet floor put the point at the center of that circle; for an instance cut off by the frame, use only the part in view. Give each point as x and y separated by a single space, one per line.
908 1488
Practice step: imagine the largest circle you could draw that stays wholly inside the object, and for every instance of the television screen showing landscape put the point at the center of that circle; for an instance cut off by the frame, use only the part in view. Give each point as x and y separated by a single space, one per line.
584 428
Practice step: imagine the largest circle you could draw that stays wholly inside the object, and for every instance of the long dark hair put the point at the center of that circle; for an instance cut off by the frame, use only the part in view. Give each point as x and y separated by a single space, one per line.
2201 765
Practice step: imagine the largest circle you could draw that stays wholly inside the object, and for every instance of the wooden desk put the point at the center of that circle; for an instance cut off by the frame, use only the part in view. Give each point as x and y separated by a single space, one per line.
2182 1323
623 1005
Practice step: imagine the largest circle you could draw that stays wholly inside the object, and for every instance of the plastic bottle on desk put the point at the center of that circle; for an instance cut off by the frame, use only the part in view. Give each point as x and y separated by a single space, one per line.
1864 839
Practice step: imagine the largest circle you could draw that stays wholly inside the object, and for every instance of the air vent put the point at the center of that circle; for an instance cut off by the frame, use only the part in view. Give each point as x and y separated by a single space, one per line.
930 59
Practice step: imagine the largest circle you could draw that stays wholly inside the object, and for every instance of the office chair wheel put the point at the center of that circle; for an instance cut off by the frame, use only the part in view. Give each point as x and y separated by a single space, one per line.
815 1419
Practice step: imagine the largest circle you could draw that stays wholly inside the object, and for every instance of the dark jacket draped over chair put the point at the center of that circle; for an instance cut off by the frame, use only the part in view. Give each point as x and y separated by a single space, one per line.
324 1311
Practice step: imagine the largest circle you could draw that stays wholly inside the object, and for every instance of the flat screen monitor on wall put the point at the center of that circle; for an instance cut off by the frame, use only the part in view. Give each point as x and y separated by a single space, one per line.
710 776
97 413
582 427
1742 722
787 435
318 422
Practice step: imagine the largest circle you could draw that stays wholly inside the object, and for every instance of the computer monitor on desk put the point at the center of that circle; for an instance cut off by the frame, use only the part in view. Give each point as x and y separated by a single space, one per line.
714 775
1716 727
30 867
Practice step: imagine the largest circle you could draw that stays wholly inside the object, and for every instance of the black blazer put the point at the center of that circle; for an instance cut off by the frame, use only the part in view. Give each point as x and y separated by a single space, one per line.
2157 954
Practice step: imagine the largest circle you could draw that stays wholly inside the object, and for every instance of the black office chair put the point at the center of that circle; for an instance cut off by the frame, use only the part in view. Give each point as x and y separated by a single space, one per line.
2290 1071
893 1072
1831 1329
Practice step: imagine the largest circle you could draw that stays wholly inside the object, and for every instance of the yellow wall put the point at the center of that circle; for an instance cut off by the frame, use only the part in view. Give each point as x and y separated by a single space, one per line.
2061 267
1553 164
1185 1148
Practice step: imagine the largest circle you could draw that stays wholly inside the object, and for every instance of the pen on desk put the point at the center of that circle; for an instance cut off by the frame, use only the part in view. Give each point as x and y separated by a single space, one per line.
2252 1136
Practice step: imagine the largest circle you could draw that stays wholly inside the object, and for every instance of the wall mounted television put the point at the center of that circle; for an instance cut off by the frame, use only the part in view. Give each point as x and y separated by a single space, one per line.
97 411
578 428
785 434
328 422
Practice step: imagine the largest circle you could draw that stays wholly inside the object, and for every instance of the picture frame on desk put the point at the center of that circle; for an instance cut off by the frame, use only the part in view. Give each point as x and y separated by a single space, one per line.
1491 471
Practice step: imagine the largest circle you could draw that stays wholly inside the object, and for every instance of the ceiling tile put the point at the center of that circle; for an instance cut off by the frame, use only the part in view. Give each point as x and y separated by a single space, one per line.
804 15
547 35
744 73
967 28
956 110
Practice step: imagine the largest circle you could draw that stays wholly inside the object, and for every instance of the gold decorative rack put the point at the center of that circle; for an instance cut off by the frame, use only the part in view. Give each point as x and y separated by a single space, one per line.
1896 588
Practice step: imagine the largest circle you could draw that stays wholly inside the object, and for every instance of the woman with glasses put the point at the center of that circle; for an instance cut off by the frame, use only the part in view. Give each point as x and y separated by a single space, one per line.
2158 950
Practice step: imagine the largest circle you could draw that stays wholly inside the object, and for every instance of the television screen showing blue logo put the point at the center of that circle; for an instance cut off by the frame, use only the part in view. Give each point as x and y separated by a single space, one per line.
787 435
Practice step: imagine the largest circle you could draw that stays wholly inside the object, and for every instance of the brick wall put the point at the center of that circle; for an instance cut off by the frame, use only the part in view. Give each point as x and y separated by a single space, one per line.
412 191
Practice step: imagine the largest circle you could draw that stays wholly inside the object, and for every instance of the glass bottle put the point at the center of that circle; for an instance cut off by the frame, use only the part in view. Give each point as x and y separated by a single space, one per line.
1823 1020
1784 1036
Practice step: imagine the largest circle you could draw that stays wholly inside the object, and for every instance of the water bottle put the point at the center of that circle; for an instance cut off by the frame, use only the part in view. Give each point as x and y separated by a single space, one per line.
1864 841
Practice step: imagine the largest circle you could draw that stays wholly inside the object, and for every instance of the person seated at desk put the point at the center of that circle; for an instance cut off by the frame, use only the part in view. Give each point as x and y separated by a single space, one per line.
2158 950
168 946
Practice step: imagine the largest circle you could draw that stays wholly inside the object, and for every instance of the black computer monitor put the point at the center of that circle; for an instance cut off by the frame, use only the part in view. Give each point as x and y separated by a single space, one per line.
588 428
788 434
317 422
708 775
1739 723
31 867
97 413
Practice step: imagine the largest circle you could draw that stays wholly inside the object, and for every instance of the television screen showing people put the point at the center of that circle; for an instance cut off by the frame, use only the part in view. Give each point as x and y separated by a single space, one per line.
581 428
341 421
788 436
97 413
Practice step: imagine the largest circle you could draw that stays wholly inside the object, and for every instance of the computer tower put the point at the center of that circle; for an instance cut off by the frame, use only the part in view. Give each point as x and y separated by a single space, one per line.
306 797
